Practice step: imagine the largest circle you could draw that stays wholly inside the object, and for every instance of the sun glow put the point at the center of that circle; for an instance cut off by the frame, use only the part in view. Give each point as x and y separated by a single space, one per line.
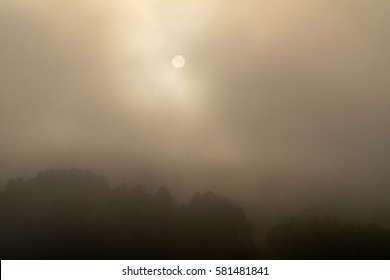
178 61
155 73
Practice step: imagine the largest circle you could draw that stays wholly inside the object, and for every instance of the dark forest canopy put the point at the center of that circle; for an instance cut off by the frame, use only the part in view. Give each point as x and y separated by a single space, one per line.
76 214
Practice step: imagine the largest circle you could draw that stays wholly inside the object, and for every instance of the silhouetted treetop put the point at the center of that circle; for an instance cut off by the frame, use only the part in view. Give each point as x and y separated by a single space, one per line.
75 214
326 238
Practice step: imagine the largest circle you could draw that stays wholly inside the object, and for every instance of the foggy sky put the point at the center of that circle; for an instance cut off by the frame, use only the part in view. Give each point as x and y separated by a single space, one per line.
282 103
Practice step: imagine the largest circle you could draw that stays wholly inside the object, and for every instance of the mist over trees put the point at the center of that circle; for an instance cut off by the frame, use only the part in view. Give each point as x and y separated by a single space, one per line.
282 107
76 214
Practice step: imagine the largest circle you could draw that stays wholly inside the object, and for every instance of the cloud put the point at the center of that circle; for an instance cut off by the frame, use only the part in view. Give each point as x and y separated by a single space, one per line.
293 88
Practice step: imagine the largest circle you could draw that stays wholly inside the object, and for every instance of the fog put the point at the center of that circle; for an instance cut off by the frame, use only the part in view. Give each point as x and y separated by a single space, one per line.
282 106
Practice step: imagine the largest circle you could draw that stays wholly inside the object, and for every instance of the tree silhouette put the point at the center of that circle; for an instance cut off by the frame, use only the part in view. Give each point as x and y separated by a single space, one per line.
221 227
326 238
75 214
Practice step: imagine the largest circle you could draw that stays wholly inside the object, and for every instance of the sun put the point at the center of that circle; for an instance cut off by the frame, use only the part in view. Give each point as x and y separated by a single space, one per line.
178 61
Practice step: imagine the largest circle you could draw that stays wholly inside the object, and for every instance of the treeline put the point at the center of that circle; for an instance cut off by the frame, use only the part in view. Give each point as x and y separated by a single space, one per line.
75 214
